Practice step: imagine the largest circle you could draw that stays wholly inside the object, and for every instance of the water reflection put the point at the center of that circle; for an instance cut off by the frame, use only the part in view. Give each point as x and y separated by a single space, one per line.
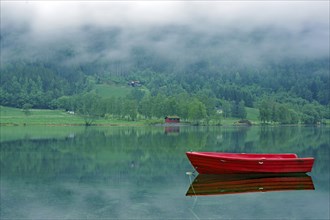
208 184
172 129
138 172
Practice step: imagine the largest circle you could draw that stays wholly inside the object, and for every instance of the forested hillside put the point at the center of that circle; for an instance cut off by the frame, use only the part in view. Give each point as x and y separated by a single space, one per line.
196 73
208 86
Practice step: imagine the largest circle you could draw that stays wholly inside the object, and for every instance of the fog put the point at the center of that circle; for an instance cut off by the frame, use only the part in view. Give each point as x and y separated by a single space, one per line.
248 31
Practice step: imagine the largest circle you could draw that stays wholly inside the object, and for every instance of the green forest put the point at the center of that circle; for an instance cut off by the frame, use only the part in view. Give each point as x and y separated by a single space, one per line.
284 93
201 82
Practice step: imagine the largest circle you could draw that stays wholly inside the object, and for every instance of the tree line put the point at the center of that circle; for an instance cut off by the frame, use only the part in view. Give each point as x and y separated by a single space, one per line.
274 112
196 109
286 92
190 108
38 85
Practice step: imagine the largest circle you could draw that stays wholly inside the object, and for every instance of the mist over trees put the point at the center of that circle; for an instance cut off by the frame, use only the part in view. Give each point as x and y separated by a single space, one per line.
186 68
195 93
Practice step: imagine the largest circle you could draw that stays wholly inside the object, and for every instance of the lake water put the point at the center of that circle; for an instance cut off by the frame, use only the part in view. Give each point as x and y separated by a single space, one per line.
141 173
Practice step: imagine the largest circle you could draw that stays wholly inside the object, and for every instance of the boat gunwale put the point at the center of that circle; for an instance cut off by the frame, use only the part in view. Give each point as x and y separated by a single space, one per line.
240 156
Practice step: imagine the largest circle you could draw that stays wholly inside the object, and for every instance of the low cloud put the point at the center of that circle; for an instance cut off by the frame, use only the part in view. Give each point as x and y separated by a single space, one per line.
249 31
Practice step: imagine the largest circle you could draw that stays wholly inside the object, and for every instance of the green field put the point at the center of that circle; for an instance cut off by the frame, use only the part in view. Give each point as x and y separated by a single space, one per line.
14 116
252 114
17 117
105 90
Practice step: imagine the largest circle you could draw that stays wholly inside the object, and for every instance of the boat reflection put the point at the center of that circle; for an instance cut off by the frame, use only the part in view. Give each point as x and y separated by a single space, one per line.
209 184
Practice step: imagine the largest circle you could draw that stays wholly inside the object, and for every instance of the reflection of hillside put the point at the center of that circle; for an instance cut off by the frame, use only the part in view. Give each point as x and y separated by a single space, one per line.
129 152
294 137
15 133
139 152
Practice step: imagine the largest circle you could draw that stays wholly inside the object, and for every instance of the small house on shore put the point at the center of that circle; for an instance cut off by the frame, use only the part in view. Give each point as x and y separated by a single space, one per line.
135 83
172 119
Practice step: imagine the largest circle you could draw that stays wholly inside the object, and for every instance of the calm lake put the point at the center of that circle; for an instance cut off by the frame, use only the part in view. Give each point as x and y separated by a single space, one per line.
141 173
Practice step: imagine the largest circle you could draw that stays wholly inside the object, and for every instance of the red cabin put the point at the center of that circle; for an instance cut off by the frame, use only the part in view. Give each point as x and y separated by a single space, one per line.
172 119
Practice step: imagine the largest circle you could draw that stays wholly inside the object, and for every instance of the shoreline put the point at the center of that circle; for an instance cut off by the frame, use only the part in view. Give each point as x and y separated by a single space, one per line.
141 124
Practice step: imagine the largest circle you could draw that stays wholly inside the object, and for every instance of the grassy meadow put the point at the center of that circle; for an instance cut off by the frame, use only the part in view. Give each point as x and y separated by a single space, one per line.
18 117
15 116
105 90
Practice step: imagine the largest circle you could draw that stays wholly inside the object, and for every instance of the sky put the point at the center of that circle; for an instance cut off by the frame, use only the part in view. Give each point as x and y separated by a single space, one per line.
278 28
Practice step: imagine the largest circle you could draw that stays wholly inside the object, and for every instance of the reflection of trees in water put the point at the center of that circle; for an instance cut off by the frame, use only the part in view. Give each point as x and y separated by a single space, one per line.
322 160
276 136
230 139
139 152
294 138
238 137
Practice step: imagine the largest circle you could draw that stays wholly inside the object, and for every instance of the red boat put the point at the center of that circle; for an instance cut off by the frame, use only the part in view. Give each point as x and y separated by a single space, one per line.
206 184
226 163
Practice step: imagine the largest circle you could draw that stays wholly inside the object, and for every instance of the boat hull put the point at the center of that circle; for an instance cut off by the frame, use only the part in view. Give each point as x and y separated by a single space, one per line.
226 163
